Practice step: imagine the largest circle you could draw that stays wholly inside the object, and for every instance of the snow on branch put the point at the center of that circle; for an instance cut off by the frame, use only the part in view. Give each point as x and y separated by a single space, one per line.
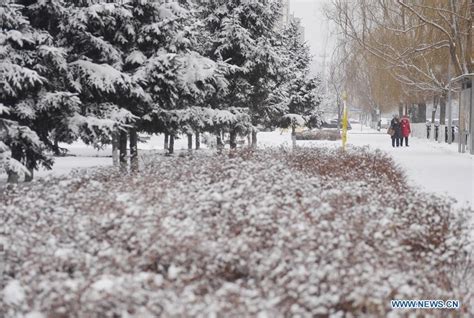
111 118
23 134
18 37
104 78
171 10
4 109
16 79
136 57
92 128
196 69
57 100
13 166
55 54
98 9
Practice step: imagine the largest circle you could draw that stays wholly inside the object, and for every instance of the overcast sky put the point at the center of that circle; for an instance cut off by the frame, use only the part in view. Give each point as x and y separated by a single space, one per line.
316 26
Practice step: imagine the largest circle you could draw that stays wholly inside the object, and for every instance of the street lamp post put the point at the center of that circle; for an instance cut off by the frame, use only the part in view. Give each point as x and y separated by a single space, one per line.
466 112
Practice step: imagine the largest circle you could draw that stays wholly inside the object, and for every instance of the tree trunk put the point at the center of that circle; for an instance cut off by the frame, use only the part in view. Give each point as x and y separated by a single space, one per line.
123 150
133 149
190 142
233 141
249 140
115 148
167 138
400 110
420 114
198 140
29 177
13 176
254 139
56 150
293 136
220 144
339 116
30 166
171 145
442 110
411 112
435 108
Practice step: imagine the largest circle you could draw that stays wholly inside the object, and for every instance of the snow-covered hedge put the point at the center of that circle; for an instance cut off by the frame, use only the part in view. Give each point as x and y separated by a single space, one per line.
270 233
320 134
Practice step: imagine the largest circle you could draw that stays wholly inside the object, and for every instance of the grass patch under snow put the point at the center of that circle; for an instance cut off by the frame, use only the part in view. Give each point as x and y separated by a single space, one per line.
312 232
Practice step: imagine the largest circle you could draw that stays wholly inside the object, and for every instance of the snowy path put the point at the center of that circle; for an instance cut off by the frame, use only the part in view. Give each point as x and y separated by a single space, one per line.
434 167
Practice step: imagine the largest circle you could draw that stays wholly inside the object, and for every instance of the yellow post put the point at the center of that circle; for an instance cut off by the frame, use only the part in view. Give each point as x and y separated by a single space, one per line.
344 121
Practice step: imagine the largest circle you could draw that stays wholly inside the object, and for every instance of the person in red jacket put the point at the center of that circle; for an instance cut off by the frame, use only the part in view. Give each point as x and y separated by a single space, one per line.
406 130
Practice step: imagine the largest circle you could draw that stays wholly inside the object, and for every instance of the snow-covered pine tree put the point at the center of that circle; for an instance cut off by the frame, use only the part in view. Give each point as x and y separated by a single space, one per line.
174 73
36 107
159 44
101 40
215 115
301 91
243 33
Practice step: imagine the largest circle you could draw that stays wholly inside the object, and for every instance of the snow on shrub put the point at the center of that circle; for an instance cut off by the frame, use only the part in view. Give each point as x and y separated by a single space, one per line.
309 232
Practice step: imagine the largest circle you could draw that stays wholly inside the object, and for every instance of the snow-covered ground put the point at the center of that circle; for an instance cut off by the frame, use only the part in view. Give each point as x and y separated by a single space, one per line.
82 156
435 167
432 166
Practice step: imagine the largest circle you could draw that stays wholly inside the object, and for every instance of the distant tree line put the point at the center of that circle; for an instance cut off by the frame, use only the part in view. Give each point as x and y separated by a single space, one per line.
401 55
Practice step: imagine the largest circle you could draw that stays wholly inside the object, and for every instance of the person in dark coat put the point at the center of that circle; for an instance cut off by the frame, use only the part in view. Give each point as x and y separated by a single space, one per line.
397 131
406 130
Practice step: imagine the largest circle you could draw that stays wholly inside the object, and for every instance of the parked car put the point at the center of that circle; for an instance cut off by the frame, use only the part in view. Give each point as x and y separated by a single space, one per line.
333 124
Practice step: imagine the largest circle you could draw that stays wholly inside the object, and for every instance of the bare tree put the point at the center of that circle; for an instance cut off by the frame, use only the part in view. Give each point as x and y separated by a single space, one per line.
411 42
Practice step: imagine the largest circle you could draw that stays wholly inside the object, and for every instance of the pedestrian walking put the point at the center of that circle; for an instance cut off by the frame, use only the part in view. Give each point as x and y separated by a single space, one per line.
406 130
395 131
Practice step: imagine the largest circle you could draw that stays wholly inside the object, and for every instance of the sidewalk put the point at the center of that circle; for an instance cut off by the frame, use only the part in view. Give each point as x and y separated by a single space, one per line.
431 166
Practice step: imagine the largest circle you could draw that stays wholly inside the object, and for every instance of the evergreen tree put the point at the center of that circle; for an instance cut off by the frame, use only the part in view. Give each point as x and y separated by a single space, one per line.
36 110
101 40
243 33
174 73
84 69
301 91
